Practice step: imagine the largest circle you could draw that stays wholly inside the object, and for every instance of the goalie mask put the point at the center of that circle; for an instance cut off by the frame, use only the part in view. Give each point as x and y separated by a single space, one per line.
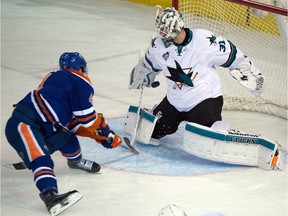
169 24
74 61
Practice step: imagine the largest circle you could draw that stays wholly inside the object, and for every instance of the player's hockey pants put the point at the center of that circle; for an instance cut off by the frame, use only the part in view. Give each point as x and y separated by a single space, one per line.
32 139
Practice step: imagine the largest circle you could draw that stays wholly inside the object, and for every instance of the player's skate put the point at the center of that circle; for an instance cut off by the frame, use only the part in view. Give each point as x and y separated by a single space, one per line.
57 203
86 165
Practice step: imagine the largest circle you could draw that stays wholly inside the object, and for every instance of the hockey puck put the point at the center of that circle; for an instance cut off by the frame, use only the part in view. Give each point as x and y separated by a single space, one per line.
155 84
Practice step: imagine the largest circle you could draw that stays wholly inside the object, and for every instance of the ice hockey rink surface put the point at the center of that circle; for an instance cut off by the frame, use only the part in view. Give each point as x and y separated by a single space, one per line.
109 34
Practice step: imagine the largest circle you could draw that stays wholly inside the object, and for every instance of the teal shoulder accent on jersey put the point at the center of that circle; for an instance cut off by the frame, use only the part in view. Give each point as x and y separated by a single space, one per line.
151 64
232 55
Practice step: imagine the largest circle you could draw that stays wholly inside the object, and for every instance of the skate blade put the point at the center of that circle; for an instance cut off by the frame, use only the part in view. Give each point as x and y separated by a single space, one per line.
60 207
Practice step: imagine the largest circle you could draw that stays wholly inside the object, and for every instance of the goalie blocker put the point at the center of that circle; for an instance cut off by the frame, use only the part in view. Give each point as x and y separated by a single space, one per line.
230 146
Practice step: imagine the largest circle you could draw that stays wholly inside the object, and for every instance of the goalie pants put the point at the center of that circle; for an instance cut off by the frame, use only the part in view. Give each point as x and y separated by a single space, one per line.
205 113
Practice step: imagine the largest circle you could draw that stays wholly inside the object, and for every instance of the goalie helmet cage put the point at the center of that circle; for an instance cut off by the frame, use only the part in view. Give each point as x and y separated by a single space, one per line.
259 29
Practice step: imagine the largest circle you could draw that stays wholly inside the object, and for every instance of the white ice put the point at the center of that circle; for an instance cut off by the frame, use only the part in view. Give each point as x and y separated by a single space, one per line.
109 34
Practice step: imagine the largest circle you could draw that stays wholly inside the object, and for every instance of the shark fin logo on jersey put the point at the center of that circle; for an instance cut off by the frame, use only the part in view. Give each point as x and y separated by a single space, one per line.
212 40
180 77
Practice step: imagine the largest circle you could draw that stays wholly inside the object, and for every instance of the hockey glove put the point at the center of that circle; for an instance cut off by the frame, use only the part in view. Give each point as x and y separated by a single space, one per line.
141 75
249 76
105 136
112 141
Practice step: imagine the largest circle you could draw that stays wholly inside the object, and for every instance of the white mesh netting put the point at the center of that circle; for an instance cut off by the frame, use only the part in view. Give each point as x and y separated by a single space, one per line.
260 35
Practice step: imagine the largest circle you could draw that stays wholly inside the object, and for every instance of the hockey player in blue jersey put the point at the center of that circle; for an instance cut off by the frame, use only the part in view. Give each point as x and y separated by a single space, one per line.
49 118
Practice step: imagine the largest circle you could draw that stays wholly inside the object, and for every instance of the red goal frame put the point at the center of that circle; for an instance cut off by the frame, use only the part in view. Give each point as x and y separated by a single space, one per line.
252 4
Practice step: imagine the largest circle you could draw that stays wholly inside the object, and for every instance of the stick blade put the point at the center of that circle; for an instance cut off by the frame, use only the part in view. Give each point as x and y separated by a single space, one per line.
131 148
14 166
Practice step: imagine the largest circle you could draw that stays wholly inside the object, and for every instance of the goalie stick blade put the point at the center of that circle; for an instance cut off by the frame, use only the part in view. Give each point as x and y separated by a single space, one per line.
65 204
14 166
131 148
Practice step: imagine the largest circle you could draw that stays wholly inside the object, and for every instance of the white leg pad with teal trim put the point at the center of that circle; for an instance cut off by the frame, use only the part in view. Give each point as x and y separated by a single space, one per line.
229 146
146 124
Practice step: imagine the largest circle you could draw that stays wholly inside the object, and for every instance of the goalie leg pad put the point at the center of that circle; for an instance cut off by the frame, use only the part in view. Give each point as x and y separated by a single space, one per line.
146 124
230 146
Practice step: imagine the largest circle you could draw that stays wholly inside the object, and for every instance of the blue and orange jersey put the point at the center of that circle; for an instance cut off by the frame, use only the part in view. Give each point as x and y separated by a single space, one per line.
64 96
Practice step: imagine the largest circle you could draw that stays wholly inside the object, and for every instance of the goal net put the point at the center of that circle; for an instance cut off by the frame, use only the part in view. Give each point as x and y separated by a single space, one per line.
259 29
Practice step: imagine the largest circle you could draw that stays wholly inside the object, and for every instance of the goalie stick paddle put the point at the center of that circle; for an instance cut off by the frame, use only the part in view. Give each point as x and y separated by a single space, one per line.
14 166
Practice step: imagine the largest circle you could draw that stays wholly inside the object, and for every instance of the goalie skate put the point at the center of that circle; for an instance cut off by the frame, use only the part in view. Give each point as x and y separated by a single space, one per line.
277 160
57 203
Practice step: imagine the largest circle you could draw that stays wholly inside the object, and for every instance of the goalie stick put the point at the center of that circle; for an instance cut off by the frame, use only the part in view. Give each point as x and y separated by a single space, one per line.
126 139
154 85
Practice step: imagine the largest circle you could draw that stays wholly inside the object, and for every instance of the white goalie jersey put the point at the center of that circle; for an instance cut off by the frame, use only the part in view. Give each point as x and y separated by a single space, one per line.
190 68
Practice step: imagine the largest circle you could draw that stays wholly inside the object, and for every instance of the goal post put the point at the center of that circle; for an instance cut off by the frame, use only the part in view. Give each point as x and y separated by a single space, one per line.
262 6
259 29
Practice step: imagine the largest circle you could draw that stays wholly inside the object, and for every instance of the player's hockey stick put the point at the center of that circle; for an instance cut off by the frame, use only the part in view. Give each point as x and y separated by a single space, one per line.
130 147
14 166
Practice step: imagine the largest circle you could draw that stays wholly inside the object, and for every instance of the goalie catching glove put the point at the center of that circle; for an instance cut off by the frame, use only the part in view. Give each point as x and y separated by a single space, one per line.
141 75
105 136
249 76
